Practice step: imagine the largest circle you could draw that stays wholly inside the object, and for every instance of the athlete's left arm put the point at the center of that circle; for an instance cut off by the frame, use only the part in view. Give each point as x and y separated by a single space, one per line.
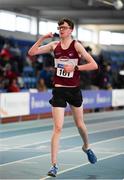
91 64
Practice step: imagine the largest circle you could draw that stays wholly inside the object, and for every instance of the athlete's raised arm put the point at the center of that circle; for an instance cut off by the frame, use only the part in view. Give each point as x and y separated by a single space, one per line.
38 48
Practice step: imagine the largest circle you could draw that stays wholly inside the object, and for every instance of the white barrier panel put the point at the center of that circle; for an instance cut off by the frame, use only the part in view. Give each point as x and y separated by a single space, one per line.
118 97
14 104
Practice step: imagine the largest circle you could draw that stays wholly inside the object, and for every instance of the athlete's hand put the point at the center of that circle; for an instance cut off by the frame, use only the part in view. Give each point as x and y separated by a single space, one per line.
49 35
68 68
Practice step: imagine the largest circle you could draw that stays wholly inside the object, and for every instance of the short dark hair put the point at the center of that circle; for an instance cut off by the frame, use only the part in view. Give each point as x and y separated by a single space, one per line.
68 21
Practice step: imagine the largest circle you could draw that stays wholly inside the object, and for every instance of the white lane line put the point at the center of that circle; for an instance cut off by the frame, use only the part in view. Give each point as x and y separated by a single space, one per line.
87 116
81 165
23 129
66 137
70 119
70 149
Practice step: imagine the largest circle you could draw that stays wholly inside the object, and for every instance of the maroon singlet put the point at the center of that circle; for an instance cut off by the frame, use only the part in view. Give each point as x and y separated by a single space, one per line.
62 57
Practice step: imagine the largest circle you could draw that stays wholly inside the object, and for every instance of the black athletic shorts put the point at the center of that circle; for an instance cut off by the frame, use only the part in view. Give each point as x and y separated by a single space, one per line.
64 95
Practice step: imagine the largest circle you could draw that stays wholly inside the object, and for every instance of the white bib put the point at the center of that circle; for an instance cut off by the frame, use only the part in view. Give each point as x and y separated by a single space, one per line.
59 64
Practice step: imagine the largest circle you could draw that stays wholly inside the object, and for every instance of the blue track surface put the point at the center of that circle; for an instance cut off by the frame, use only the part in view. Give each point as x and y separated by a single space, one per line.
25 149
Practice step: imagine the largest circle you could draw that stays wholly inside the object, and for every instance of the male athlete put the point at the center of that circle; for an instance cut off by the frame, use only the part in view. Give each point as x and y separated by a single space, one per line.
67 56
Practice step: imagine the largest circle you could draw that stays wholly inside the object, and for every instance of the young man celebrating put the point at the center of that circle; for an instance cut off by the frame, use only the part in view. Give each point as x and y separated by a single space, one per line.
67 56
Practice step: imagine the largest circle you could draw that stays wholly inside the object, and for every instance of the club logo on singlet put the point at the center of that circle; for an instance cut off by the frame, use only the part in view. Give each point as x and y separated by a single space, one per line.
61 62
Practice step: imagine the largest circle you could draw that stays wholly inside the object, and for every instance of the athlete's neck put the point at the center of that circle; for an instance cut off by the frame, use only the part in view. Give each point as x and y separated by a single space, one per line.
65 42
66 39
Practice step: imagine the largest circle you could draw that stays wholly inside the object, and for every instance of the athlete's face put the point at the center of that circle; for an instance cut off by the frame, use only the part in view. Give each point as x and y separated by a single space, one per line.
65 30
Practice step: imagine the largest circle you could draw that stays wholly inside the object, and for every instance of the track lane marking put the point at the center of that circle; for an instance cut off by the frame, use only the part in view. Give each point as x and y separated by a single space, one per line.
108 140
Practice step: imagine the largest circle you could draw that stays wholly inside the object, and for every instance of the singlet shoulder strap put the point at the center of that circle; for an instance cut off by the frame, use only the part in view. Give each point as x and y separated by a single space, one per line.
72 43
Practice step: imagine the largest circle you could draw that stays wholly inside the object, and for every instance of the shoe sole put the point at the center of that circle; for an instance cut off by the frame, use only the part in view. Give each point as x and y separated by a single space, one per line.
50 174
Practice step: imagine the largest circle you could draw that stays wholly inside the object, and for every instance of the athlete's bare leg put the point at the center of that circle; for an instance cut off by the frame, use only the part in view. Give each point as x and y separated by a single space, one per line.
78 117
58 119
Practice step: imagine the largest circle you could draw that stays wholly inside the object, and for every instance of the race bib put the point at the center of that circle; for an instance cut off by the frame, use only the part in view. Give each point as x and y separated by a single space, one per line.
60 63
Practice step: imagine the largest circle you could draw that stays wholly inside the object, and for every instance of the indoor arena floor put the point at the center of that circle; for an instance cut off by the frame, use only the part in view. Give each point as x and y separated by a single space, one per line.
25 148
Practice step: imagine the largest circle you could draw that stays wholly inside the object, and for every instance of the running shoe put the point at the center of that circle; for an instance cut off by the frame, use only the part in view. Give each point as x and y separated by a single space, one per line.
53 171
90 155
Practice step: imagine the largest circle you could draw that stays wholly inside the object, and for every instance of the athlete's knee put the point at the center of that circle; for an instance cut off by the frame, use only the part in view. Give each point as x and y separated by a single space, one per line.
81 126
57 129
